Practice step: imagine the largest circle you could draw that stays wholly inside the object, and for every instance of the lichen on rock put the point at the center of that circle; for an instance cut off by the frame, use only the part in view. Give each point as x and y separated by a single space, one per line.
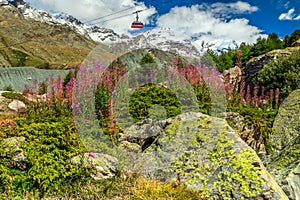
204 153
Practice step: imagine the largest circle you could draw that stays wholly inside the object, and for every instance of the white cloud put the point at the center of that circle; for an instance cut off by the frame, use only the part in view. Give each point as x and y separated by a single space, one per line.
290 15
206 26
212 23
86 10
238 7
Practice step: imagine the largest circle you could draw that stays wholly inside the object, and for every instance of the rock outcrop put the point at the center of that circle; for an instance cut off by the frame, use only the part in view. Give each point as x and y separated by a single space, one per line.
252 68
10 107
287 122
17 105
296 44
203 152
285 164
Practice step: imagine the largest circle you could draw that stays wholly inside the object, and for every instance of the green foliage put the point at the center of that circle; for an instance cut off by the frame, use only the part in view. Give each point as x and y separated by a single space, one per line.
48 148
264 45
261 120
101 103
13 95
203 97
147 59
8 88
144 98
224 60
289 40
246 53
282 73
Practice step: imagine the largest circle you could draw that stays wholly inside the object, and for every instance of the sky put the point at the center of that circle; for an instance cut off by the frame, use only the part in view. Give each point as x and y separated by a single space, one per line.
215 22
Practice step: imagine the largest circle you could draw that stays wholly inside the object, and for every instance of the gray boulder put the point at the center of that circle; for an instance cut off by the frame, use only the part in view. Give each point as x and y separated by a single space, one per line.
17 105
284 164
104 166
4 110
204 153
293 180
287 122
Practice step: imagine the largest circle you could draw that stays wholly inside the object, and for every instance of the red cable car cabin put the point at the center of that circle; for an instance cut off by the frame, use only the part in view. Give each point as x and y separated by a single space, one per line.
137 24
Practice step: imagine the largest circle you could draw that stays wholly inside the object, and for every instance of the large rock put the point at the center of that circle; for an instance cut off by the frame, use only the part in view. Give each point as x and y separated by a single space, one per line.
293 180
204 153
4 110
284 164
287 122
104 166
296 44
17 106
10 107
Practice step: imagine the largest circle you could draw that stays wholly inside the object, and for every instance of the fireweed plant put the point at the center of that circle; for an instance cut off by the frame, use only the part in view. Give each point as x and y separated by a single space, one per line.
49 131
259 107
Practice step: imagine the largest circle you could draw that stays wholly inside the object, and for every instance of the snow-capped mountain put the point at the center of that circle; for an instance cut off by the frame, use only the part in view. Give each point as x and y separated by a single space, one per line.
161 38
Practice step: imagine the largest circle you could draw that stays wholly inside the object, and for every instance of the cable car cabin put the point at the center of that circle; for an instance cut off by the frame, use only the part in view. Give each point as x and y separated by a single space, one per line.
137 25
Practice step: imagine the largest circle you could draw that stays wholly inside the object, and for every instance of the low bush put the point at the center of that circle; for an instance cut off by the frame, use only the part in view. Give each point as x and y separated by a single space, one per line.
13 95
144 98
48 148
283 73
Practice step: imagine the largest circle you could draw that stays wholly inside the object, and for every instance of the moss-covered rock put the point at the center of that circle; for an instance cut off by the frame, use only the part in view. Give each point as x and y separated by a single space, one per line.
286 140
14 153
207 155
287 122
104 166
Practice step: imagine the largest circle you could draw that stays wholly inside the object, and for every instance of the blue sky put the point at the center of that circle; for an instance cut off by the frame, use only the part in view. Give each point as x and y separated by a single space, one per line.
218 22
265 18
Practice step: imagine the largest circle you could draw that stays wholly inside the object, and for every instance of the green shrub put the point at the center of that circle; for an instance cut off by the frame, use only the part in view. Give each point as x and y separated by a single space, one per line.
8 88
13 95
260 120
144 98
148 58
283 73
48 148
203 97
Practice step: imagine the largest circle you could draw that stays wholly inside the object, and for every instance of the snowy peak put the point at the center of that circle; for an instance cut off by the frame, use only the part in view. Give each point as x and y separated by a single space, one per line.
161 38
58 18
64 17
32 13
17 3
167 40
103 35
162 34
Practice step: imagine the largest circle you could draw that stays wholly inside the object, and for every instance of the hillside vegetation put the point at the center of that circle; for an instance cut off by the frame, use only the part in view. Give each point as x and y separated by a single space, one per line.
25 42
228 58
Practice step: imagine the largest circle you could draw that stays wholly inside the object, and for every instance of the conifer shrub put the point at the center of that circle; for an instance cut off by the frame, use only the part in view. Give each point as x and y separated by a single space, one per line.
283 73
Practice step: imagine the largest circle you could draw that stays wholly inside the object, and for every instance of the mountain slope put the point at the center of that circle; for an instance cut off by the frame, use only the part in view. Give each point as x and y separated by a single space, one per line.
27 42
31 37
161 38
